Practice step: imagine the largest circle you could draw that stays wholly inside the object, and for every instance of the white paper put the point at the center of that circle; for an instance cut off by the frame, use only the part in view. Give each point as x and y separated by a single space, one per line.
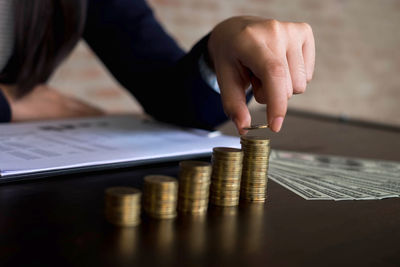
58 145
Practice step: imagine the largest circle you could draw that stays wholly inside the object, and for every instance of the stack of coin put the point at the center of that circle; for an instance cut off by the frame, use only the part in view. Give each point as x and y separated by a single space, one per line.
122 206
194 185
226 174
255 168
160 196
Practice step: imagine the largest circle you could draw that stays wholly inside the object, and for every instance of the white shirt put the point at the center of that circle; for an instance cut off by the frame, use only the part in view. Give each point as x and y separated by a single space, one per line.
6 31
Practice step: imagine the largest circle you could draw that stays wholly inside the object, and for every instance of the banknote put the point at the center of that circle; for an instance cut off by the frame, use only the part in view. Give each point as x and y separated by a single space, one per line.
386 184
325 177
389 168
345 184
301 190
322 182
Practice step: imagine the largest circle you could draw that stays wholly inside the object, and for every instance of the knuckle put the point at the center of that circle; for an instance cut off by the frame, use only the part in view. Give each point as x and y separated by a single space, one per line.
275 26
306 27
249 33
247 38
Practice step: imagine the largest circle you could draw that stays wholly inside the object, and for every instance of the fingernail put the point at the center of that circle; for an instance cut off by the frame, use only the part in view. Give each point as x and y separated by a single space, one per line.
276 124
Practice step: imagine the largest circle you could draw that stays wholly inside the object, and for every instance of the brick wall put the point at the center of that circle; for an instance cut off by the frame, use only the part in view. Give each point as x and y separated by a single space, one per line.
357 42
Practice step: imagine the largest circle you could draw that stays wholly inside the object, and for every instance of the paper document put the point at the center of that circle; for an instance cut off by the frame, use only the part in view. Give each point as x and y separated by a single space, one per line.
323 177
45 147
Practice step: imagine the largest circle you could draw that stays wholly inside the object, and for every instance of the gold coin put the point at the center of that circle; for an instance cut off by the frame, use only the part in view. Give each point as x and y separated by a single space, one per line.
193 177
227 150
194 191
225 203
237 168
255 185
253 193
160 180
123 191
256 127
192 206
195 165
127 209
225 185
122 205
160 196
255 168
254 138
225 195
197 183
187 188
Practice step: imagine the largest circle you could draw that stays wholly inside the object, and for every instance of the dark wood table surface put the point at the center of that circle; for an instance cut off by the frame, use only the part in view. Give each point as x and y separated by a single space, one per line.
59 221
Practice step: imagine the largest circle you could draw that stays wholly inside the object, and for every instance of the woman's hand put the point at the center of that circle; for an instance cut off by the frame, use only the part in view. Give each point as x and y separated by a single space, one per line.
276 58
44 102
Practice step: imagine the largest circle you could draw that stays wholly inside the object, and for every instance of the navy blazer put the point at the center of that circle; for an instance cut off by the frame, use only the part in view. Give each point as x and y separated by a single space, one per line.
133 46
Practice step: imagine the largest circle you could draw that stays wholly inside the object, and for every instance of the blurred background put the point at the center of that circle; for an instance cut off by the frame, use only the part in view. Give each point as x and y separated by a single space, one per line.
358 54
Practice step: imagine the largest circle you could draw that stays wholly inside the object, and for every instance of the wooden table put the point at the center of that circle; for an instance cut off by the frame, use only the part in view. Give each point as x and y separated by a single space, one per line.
59 221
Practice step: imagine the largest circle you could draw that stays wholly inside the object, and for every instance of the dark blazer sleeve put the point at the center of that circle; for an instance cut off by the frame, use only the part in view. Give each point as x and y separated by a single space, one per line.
5 112
144 59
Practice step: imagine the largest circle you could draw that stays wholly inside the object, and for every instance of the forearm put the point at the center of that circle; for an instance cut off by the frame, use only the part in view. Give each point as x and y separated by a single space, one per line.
178 94
149 63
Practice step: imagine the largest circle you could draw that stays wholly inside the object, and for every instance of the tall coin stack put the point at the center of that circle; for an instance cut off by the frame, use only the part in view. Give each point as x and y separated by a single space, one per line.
226 174
160 196
255 168
122 206
194 185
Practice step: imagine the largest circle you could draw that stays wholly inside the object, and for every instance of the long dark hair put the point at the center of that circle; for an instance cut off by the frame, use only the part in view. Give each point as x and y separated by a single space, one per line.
45 32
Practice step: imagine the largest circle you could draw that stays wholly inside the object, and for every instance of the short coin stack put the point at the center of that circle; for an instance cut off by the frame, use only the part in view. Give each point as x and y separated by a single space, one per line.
226 174
255 168
194 185
122 205
160 196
